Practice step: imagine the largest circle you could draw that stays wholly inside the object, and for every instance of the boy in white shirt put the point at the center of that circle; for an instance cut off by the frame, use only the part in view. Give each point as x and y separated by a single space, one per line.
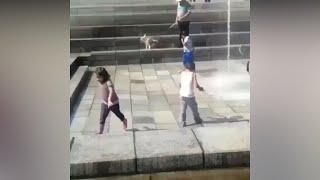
187 84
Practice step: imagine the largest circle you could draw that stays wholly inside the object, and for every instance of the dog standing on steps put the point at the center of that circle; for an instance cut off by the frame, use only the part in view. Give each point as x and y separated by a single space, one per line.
149 41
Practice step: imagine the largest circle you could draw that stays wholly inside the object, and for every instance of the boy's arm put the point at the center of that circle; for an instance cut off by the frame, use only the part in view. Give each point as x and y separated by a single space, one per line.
194 78
195 82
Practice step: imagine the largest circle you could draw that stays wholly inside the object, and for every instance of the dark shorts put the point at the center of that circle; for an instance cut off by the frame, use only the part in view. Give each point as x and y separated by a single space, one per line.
188 58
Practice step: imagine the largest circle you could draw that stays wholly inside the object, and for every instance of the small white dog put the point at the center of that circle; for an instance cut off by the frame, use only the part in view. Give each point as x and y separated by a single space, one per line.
149 41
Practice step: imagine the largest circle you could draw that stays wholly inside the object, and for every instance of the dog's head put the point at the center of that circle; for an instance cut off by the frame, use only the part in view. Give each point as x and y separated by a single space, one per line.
143 38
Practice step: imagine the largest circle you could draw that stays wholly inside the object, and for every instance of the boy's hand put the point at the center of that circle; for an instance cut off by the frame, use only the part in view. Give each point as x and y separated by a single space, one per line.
200 88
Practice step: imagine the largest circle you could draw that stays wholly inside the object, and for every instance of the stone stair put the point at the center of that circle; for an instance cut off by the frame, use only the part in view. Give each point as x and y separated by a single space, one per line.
110 30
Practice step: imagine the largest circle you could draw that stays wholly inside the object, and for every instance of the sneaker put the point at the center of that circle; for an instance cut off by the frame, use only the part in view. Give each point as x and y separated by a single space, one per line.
198 120
184 124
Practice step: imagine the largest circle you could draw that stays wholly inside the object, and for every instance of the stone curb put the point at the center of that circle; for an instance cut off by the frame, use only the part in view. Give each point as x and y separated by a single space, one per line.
223 145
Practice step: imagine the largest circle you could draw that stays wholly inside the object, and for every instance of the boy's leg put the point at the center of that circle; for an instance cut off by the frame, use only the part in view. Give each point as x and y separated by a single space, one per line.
194 108
116 110
103 115
183 110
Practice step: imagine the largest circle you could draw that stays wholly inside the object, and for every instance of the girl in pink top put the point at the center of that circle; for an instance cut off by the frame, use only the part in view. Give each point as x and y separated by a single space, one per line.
110 101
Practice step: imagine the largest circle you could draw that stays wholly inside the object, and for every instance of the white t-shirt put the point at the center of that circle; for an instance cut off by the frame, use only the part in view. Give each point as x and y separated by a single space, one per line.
187 44
186 89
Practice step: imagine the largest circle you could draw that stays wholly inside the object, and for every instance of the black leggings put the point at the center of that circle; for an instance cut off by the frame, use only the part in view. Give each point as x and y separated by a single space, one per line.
183 26
105 112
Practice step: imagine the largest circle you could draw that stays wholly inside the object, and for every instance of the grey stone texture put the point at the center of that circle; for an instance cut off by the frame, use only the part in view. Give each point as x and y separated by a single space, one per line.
225 145
166 150
93 156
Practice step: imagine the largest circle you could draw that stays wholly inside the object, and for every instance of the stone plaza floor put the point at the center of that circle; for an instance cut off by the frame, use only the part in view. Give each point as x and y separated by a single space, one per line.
149 97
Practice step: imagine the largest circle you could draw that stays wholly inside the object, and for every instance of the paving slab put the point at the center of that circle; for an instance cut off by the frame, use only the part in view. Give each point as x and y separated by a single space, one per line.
165 117
149 72
148 78
138 87
134 68
94 156
173 99
139 107
78 124
244 116
163 72
92 123
222 110
167 150
144 127
153 85
143 119
139 97
164 77
146 66
241 109
225 144
123 96
159 107
157 99
84 107
83 113
171 126
136 76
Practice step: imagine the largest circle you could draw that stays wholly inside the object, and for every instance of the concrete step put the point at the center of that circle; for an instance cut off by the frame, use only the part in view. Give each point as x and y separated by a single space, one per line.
75 61
135 8
164 41
164 55
145 2
76 84
155 29
156 17
113 2
218 146
216 174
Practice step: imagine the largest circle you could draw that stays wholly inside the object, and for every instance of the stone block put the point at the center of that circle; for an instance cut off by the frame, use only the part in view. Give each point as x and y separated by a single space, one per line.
225 144
94 156
166 150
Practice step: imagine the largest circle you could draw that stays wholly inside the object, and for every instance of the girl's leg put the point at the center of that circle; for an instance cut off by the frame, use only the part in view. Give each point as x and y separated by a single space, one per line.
103 115
116 110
